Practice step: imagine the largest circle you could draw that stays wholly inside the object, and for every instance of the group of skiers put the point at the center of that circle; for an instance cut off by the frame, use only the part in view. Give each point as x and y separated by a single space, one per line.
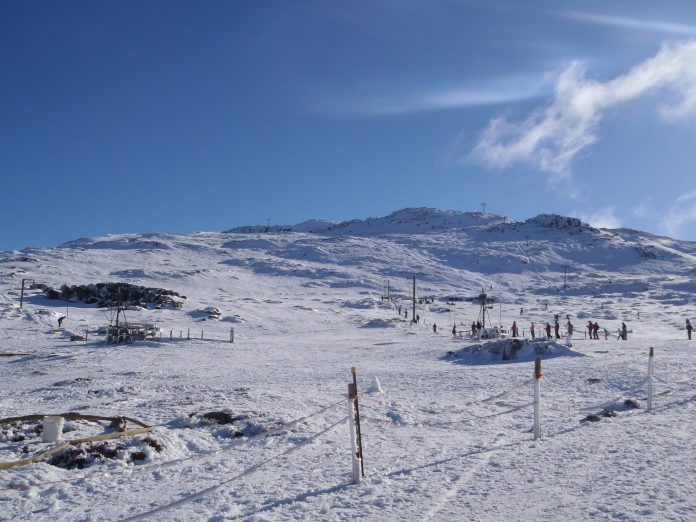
475 327
556 328
592 329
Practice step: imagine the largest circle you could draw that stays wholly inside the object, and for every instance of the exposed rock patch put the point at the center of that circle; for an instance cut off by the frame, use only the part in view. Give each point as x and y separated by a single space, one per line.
111 294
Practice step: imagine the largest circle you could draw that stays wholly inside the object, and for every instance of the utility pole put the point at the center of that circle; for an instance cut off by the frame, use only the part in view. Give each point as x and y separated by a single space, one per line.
565 276
21 295
413 317
483 208
387 289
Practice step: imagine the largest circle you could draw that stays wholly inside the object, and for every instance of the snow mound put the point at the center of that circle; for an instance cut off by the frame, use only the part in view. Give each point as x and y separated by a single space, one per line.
510 350
375 386
379 323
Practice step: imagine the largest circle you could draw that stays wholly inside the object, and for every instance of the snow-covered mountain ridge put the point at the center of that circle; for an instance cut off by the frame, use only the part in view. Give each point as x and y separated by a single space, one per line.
449 251
411 220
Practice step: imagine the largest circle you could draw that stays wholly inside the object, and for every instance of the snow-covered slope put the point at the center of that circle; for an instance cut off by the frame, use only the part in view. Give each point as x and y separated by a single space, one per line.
305 303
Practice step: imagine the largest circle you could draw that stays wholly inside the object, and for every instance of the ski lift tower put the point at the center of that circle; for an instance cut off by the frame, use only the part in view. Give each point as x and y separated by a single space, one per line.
487 332
483 312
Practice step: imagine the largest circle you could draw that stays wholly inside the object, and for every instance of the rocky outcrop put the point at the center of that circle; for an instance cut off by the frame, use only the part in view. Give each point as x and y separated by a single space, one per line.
111 294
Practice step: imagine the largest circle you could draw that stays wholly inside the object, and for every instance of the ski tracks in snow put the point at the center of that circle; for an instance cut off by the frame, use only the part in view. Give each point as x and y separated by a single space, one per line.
456 482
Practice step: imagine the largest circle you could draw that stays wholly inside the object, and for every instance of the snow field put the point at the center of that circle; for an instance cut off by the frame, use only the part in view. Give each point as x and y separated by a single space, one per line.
445 438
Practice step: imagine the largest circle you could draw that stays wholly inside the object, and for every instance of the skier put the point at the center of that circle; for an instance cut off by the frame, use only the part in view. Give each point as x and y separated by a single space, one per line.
548 330
595 330
521 311
478 326
689 328
513 328
62 318
569 327
434 328
454 330
624 331
590 329
556 327
399 309
405 314
417 318
531 330
473 329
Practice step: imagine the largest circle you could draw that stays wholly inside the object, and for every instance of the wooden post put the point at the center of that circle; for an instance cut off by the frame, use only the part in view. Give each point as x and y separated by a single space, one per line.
181 334
188 333
86 332
537 398
231 335
650 383
357 421
354 458
171 334
201 335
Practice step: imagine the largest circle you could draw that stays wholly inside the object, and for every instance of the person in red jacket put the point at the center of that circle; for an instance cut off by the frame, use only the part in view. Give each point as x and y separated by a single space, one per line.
513 328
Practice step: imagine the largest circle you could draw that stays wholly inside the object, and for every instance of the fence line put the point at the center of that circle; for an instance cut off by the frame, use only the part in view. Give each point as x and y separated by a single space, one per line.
452 407
155 466
296 446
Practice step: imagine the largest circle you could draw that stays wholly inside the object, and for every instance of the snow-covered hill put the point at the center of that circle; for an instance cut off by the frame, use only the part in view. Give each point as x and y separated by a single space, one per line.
305 303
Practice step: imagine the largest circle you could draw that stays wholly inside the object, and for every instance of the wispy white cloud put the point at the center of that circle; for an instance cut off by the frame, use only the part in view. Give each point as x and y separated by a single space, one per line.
633 23
603 218
552 136
448 100
490 91
681 217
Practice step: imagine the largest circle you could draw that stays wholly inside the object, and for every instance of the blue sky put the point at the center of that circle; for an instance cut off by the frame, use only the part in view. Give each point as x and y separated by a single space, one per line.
183 116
